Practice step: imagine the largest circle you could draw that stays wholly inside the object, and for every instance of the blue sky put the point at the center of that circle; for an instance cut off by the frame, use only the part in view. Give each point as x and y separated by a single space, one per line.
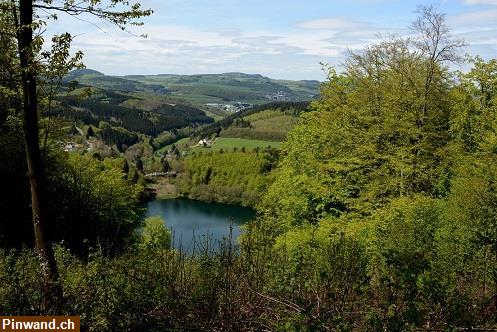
277 38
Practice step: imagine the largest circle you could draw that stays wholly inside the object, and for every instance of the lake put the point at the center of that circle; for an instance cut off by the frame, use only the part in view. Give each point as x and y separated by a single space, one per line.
186 217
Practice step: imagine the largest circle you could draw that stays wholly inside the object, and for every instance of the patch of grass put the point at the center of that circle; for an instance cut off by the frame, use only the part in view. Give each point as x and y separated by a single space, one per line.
268 125
228 144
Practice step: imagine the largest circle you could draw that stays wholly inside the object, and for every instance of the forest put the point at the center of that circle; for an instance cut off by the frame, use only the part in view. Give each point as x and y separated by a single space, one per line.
106 106
235 177
377 214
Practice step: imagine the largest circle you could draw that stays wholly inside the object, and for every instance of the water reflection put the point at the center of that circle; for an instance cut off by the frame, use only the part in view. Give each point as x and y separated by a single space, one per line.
187 217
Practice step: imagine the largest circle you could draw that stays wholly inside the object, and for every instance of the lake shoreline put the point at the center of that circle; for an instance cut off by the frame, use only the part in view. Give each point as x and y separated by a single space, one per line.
167 188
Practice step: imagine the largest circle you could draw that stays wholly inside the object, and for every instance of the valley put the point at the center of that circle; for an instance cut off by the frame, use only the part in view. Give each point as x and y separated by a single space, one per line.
217 94
157 132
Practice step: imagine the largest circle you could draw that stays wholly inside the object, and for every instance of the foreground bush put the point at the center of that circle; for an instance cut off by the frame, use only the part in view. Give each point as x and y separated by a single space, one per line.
335 276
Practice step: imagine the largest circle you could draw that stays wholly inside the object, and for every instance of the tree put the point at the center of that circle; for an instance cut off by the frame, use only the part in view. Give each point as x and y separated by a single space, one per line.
175 151
125 167
26 22
73 131
155 235
90 132
378 132
165 165
134 177
10 94
436 45
139 164
473 122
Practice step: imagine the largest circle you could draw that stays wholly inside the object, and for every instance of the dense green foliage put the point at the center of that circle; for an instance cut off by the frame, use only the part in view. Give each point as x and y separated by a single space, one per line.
402 172
91 204
169 137
228 177
116 136
97 205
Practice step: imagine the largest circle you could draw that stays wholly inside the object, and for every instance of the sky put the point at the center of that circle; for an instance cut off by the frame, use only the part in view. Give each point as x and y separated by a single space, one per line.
284 39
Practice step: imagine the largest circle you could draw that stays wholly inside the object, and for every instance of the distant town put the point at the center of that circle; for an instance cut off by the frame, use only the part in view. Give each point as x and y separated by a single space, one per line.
240 106
233 107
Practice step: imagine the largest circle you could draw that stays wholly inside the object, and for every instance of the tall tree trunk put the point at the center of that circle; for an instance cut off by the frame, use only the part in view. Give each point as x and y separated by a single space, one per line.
52 289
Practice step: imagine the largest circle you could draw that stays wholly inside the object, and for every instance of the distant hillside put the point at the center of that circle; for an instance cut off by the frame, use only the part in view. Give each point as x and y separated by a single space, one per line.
79 74
204 89
154 104
232 87
96 79
269 122
141 114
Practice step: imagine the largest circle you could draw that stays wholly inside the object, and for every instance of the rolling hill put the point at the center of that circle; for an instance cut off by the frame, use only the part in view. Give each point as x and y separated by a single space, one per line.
259 127
161 105
271 122
145 114
203 89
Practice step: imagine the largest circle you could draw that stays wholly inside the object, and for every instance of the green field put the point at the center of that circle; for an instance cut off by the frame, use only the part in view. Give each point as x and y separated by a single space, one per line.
228 144
268 125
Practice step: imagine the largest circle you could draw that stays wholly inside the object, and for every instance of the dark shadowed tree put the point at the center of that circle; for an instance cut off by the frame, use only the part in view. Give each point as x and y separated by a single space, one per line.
125 167
90 132
139 164
165 165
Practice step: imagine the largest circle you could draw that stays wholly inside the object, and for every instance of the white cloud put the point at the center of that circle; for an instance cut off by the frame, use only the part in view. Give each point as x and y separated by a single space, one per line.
474 18
330 23
480 38
177 49
480 2
182 50
292 52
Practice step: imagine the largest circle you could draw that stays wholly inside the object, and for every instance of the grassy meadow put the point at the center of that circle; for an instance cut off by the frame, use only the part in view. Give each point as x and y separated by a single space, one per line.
229 144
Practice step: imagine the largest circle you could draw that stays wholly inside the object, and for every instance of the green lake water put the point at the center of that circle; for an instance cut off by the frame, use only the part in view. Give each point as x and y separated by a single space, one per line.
189 219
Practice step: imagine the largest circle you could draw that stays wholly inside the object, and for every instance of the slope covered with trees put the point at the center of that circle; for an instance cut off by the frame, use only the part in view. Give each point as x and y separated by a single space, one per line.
289 111
270 125
122 110
390 176
235 177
